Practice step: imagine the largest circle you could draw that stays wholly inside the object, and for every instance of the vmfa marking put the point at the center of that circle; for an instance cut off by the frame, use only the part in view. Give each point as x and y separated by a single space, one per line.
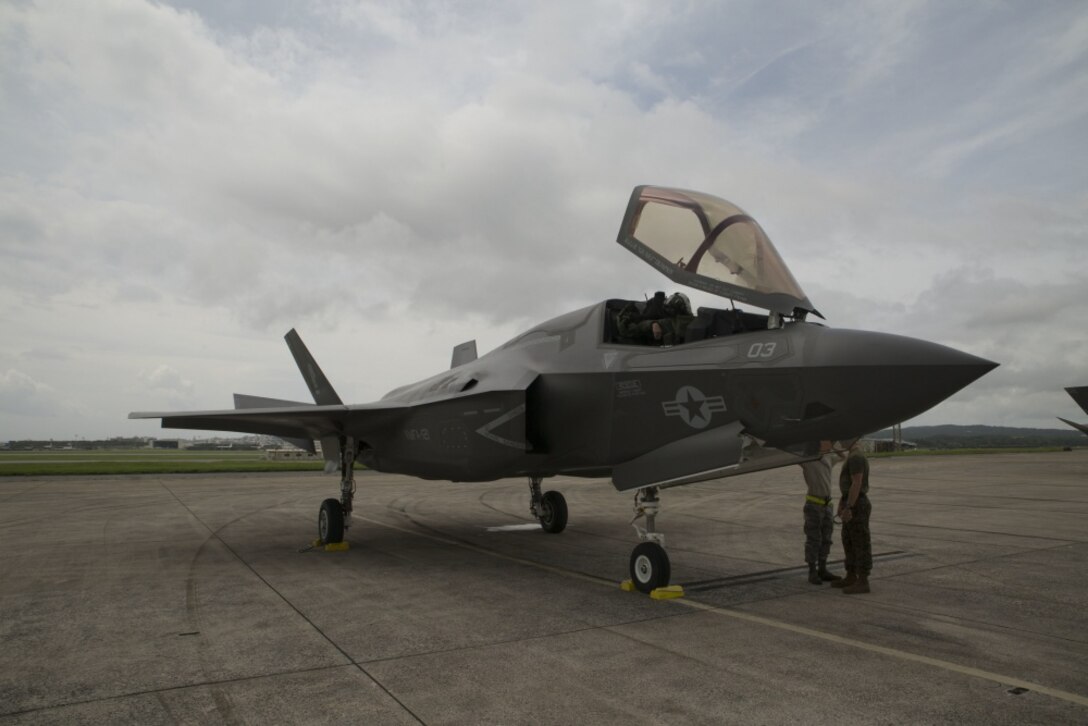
694 408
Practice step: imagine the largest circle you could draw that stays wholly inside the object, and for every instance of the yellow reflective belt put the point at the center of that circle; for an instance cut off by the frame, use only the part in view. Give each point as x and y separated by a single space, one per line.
817 500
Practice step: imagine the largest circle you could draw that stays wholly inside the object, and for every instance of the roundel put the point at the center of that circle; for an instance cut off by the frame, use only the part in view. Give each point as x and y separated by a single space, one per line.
693 407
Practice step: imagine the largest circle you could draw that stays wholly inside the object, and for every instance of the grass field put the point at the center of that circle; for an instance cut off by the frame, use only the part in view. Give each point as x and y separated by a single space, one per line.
182 461
961 452
143 461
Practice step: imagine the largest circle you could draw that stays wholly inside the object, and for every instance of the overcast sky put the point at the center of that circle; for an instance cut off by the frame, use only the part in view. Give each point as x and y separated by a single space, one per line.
183 182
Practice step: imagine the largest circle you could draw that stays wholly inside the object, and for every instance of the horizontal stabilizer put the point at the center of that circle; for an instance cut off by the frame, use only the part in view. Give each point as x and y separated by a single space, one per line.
241 400
463 353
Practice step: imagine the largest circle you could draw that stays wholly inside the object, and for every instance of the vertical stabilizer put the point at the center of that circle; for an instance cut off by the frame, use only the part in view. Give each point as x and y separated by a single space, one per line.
322 390
463 353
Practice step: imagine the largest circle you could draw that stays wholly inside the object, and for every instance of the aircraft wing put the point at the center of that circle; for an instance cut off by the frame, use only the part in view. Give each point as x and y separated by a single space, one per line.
302 423
298 422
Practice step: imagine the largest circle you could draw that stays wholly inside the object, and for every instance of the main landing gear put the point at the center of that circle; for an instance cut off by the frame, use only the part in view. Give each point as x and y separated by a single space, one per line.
650 567
334 517
549 508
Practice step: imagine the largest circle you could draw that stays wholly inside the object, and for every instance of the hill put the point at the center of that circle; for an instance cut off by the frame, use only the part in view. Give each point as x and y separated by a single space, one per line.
950 436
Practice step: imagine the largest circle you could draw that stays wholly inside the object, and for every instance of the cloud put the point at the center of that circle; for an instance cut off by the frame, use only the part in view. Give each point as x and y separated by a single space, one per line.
185 181
21 395
165 382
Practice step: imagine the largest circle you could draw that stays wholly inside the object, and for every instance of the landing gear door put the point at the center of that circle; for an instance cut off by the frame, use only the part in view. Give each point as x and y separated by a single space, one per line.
710 244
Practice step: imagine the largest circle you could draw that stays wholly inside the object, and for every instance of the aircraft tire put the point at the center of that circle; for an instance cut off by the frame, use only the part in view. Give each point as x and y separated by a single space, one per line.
330 522
553 508
650 568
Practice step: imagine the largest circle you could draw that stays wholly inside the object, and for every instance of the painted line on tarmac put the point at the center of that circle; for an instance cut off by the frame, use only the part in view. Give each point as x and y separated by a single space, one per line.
484 551
769 622
527 527
883 650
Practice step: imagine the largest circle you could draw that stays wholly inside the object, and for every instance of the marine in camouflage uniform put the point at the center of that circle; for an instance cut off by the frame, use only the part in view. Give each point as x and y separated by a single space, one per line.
819 515
855 510
660 323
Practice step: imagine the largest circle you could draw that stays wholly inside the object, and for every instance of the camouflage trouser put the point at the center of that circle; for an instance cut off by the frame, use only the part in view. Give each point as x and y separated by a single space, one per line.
819 526
856 542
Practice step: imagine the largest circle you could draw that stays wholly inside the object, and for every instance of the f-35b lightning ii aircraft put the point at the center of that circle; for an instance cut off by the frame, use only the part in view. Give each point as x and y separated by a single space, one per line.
585 395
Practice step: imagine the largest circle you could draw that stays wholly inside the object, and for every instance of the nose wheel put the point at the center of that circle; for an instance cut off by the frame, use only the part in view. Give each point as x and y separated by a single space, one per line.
650 567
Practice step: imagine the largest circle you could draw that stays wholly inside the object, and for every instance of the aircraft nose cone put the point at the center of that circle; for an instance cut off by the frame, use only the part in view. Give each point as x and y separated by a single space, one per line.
868 381
859 349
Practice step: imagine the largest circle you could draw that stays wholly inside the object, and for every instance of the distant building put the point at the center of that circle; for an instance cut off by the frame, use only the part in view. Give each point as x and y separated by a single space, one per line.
165 443
287 454
883 445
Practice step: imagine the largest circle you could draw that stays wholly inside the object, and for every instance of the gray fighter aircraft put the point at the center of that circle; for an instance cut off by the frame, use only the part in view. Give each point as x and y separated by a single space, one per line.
1080 395
597 392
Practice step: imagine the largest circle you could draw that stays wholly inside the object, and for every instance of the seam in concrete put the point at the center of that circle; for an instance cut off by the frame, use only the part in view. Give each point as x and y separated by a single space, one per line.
769 622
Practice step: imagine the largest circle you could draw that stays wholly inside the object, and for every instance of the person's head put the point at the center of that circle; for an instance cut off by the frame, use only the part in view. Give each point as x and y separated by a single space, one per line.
678 304
825 446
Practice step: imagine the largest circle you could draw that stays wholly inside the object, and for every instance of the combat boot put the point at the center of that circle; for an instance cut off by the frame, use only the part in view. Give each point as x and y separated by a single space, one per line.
814 576
847 581
858 588
825 575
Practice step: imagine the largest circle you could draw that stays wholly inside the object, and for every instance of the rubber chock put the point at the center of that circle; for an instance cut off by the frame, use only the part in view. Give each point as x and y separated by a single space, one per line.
337 547
627 586
667 593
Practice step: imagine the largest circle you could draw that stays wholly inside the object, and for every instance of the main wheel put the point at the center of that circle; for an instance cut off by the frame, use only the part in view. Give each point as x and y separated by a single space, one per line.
650 567
330 522
553 512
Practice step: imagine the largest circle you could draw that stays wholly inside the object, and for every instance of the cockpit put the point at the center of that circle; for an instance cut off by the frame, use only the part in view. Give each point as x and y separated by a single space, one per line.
712 245
630 322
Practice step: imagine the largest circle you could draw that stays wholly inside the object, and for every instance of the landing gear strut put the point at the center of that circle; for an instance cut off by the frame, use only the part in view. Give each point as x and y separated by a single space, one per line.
334 517
549 508
650 567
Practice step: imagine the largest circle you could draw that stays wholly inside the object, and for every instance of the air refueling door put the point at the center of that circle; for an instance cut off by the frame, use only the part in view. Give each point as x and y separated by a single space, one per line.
712 245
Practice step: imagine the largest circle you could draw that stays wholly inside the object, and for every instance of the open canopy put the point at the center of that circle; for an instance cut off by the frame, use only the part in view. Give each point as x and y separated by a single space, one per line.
710 244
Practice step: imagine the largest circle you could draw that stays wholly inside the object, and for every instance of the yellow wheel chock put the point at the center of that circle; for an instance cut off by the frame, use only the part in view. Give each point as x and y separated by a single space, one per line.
661 593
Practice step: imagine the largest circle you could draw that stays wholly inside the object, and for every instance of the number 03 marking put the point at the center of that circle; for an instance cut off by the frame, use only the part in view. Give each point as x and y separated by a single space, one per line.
761 350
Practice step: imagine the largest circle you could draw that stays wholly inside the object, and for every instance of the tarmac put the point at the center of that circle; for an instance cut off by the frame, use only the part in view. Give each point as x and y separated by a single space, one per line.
198 599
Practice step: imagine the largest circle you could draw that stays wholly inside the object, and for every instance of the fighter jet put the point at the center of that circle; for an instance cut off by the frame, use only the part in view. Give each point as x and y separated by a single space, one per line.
1080 395
646 392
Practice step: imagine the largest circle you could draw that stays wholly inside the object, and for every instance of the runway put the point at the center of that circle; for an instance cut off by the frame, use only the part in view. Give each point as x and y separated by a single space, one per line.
196 599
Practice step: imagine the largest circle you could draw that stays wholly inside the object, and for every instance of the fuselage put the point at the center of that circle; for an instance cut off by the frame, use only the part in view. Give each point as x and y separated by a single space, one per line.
568 397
